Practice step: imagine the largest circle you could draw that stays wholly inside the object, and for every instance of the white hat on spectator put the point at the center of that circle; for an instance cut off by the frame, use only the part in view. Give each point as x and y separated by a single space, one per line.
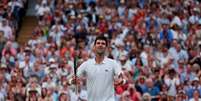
32 90
27 49
122 57
176 21
52 66
182 91
35 90
196 9
52 60
195 79
3 66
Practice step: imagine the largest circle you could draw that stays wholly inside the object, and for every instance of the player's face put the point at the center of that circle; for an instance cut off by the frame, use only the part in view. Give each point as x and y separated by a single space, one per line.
100 47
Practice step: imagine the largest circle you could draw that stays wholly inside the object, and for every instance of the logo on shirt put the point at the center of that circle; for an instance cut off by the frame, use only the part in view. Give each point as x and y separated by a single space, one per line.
106 70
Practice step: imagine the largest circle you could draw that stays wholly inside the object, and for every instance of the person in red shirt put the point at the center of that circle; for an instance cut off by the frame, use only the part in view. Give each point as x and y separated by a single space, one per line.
134 95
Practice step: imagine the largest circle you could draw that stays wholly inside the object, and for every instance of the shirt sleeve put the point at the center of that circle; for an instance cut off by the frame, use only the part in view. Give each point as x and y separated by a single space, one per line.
167 81
81 69
117 69
177 82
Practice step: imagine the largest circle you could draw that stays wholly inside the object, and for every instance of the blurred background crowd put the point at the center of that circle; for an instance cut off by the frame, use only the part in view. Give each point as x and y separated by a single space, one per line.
156 42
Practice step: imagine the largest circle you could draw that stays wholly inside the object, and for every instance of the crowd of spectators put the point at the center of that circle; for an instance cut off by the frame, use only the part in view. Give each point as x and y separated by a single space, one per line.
156 42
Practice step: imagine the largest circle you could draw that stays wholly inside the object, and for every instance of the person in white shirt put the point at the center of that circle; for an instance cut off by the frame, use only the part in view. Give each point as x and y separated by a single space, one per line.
8 33
125 63
42 8
101 73
172 81
195 96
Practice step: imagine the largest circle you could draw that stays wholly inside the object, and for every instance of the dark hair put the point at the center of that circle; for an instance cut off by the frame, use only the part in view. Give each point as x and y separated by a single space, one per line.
171 71
62 95
138 59
101 38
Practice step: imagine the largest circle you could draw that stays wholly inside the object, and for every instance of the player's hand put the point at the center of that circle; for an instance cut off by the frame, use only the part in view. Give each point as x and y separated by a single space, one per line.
74 80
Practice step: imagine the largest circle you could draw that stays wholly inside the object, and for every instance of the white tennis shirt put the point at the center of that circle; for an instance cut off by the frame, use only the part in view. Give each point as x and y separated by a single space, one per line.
100 78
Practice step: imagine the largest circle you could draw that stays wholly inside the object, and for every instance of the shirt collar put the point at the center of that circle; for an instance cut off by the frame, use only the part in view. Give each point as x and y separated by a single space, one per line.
103 62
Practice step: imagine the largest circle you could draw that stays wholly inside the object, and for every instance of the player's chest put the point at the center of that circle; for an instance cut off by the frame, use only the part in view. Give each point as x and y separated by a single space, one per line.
99 70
